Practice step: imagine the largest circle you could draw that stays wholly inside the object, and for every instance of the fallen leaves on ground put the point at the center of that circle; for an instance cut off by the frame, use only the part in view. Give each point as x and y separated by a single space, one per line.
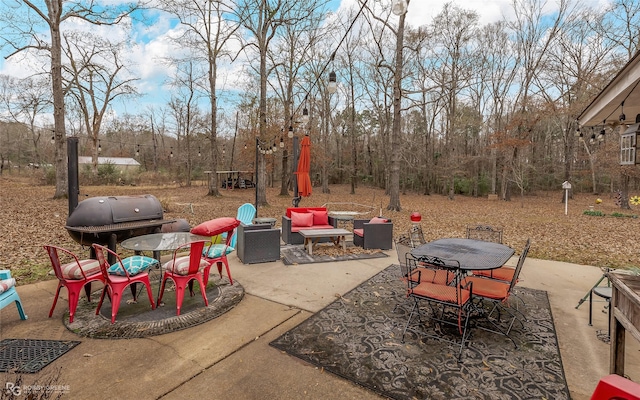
31 218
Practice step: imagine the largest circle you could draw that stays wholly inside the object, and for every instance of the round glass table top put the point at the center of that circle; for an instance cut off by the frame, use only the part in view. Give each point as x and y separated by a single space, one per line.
161 241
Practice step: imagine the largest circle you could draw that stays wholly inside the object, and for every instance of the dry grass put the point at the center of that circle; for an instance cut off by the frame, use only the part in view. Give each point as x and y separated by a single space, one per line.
31 218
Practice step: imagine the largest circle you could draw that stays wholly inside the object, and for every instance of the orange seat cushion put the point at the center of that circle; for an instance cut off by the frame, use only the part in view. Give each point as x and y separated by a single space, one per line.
502 274
489 288
437 276
449 294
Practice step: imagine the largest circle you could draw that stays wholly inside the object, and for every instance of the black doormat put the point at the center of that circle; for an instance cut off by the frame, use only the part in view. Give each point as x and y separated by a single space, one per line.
137 320
326 253
31 355
358 337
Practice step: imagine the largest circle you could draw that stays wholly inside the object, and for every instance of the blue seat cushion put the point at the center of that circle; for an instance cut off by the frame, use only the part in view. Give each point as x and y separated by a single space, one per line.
216 250
134 265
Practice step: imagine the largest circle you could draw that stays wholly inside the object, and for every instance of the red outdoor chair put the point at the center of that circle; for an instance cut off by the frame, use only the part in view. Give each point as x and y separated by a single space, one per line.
116 284
182 270
217 253
74 274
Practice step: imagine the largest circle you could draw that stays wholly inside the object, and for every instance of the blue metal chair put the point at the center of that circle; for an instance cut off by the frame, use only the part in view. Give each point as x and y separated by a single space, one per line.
10 295
246 213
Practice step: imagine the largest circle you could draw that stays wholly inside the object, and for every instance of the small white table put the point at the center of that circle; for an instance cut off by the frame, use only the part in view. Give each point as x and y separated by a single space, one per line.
312 236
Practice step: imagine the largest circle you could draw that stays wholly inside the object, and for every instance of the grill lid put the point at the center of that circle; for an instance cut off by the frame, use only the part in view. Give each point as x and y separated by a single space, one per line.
98 211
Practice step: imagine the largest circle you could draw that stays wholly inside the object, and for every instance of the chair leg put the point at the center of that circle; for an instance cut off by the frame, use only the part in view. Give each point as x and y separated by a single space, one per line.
23 316
179 295
164 281
415 305
150 294
203 290
116 296
87 291
55 299
104 291
74 295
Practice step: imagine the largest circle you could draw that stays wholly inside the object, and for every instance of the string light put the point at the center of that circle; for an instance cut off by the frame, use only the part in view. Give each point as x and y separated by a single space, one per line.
138 151
281 142
99 146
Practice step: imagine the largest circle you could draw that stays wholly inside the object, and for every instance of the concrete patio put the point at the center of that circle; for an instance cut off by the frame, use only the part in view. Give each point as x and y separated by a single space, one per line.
230 356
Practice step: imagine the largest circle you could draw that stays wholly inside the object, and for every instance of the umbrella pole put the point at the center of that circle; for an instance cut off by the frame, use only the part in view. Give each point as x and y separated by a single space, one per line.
256 174
294 166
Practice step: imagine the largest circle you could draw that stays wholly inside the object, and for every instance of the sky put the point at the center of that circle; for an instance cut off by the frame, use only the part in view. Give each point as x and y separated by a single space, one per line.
153 43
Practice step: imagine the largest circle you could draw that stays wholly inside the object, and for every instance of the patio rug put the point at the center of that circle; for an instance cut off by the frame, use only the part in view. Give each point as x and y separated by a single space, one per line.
358 337
137 320
31 355
293 255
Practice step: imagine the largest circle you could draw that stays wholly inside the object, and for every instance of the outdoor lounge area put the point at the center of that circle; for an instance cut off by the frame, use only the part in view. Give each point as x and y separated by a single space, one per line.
235 346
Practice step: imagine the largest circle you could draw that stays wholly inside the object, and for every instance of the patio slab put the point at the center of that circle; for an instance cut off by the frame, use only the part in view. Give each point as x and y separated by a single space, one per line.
229 357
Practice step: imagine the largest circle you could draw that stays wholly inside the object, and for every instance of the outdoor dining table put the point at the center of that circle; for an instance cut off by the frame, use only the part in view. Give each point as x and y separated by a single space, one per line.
158 242
470 253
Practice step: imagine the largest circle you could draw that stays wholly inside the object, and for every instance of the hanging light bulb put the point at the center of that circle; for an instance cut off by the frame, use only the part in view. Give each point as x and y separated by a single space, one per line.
593 138
578 133
138 151
305 115
200 153
281 142
171 154
601 135
274 147
333 85
290 133
53 139
622 117
99 146
399 7
245 146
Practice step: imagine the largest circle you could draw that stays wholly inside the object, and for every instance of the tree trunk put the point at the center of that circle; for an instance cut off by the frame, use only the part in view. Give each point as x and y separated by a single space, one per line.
394 177
60 162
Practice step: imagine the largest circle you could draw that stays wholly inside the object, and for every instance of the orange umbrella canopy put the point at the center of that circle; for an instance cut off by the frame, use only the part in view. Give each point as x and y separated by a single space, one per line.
304 165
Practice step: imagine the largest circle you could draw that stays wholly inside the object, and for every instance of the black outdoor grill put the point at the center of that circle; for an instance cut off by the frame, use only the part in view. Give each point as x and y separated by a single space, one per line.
110 220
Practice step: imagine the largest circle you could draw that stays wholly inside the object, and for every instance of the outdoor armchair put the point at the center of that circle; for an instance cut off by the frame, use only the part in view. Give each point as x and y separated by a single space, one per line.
376 233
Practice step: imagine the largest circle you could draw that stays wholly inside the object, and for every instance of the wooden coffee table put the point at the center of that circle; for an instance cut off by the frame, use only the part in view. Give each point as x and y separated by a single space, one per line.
312 236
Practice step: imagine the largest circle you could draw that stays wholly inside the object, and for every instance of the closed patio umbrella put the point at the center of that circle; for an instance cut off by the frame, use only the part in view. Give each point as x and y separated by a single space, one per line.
304 165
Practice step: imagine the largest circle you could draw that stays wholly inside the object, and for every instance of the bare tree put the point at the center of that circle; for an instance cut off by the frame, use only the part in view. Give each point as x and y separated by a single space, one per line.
94 76
208 32
24 100
19 32
262 19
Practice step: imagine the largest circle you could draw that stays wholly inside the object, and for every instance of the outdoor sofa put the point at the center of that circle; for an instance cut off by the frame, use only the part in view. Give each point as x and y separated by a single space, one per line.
299 218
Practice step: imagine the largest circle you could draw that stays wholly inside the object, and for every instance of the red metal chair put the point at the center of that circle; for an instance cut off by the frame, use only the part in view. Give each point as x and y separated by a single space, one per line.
116 284
217 253
74 275
183 270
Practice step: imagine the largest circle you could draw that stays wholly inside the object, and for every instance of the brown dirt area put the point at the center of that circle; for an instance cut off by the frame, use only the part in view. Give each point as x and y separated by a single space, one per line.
31 218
